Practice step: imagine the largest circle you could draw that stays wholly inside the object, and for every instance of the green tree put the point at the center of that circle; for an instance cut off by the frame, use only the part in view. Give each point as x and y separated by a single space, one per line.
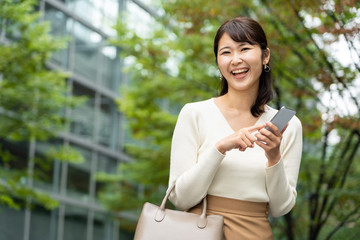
174 65
329 170
32 101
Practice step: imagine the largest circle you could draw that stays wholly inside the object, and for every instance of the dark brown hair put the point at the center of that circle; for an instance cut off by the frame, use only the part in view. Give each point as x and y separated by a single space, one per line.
243 29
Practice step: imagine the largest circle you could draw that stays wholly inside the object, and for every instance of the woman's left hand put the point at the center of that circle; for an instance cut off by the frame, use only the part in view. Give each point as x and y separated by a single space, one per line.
270 142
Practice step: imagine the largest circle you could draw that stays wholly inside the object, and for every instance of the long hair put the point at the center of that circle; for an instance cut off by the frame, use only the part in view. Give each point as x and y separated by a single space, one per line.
243 29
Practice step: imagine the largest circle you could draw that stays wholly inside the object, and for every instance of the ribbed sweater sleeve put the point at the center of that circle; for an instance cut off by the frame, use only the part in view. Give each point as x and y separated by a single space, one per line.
193 175
281 178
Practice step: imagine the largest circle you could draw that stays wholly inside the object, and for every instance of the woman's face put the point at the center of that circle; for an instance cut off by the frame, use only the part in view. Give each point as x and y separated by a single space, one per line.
240 63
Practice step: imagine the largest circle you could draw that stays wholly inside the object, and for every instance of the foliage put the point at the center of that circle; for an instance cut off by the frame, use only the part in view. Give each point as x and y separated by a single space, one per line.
32 99
175 65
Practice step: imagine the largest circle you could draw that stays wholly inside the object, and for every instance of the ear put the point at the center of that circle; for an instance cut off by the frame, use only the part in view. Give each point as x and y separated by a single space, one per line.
266 57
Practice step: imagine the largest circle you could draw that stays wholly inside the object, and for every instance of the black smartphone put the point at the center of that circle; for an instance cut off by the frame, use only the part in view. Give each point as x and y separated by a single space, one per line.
281 118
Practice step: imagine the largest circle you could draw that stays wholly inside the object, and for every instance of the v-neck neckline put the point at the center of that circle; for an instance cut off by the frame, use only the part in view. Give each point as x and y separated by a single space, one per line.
227 122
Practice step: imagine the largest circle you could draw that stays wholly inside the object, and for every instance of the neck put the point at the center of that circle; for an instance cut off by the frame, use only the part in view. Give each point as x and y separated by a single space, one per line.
241 101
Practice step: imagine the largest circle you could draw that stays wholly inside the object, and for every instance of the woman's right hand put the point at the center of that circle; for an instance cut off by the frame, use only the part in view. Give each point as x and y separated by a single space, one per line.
240 139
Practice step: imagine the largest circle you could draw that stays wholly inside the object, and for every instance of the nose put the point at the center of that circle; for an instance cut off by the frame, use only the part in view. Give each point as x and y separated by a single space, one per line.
236 59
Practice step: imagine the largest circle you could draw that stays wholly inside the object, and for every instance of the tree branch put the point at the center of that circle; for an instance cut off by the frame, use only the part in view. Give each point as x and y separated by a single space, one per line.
345 221
339 173
328 64
289 226
350 43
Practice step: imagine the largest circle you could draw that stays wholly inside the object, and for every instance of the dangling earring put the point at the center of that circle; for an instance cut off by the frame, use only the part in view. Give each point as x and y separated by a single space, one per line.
267 68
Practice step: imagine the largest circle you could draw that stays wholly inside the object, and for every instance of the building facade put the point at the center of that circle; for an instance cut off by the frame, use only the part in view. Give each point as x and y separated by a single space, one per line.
96 127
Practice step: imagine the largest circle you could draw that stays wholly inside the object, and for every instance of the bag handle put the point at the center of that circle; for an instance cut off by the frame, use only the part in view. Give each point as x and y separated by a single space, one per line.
160 213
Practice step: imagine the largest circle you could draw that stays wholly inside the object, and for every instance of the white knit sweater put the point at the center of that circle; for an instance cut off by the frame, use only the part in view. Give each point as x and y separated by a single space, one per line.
200 169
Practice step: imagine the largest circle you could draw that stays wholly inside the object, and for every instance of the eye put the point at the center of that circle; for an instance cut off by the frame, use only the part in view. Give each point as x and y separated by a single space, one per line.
225 52
245 49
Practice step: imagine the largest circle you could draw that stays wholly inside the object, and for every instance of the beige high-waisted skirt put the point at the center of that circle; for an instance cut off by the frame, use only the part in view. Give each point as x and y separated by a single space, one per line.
242 219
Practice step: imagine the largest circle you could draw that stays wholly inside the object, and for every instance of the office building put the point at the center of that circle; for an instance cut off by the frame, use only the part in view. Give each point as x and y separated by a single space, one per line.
96 127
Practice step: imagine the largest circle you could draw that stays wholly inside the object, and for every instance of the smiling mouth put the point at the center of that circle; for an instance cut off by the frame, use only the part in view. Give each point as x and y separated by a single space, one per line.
239 71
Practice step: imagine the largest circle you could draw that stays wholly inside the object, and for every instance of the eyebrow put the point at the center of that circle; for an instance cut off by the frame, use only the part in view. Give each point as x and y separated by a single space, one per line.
239 45
223 48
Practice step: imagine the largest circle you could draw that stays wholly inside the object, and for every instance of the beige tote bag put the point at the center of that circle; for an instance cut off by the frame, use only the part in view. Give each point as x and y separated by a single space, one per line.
158 223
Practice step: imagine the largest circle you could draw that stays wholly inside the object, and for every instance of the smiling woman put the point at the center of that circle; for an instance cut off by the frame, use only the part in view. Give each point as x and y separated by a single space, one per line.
248 35
221 149
241 64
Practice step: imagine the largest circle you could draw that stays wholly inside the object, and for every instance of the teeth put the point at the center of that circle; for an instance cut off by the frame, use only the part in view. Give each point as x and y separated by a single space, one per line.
239 71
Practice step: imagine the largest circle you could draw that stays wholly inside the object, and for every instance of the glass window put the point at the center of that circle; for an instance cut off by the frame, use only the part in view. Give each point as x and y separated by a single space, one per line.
47 171
61 26
68 3
11 29
90 10
78 178
139 20
11 223
82 117
105 227
107 165
102 14
87 44
99 226
108 123
75 226
111 67
19 152
111 9
40 223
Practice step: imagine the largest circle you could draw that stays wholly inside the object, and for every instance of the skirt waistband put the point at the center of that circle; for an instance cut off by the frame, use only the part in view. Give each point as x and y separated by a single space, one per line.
235 206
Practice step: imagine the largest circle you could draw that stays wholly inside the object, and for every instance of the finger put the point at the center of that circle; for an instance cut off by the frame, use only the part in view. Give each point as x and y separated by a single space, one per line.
268 138
251 136
273 128
260 137
242 145
248 142
268 135
262 144
242 149
255 128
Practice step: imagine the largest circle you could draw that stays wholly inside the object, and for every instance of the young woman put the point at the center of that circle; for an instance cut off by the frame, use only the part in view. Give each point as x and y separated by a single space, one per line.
221 149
